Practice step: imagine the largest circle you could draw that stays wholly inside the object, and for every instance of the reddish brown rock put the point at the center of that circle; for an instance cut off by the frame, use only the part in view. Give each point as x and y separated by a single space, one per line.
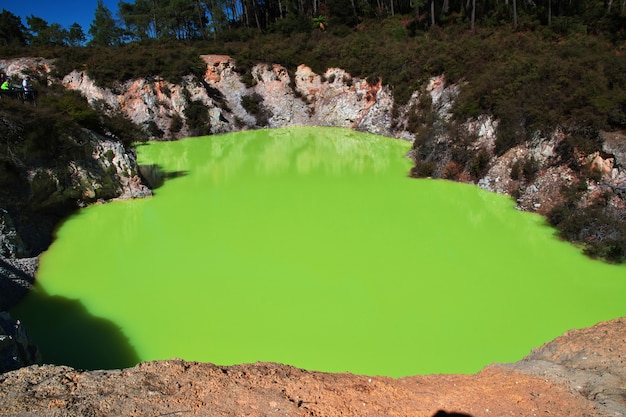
540 385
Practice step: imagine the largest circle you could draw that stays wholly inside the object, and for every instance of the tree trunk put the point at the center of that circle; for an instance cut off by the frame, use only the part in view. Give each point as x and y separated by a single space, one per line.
515 14
432 12
234 9
473 13
549 12
157 32
246 13
446 7
200 19
256 15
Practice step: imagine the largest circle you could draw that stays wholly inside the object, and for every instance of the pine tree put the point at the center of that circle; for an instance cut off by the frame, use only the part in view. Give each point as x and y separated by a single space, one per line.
75 36
12 31
104 30
41 33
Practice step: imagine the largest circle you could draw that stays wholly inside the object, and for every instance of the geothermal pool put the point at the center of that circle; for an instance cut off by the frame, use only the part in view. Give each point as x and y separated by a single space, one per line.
311 247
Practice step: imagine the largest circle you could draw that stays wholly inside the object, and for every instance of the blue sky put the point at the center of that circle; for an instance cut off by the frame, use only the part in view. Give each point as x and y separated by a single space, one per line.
64 12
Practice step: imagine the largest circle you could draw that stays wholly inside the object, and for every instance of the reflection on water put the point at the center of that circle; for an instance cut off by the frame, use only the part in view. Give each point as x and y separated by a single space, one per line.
311 247
280 152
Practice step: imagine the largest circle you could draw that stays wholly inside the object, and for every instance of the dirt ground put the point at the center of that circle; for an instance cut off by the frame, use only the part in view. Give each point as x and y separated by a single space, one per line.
582 373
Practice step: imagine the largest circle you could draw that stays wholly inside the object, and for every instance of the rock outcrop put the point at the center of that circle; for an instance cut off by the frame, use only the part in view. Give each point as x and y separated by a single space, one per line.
533 172
590 361
332 99
579 374
16 348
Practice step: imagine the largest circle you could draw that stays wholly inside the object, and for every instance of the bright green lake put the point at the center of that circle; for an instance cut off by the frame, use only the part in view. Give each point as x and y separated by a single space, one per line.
310 246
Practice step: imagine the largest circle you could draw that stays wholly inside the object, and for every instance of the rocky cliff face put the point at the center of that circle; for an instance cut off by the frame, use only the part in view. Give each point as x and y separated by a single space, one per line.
533 172
331 99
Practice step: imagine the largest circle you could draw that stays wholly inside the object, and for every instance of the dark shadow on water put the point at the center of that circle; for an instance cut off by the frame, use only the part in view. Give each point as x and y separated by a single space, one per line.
442 413
155 176
67 334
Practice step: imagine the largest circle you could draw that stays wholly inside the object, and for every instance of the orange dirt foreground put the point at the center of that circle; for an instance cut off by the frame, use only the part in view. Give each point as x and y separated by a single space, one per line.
581 373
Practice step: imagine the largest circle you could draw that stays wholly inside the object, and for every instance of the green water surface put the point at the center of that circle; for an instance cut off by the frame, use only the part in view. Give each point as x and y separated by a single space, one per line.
311 247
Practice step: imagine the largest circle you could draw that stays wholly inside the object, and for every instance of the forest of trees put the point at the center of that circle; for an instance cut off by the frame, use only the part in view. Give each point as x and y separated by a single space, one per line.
143 20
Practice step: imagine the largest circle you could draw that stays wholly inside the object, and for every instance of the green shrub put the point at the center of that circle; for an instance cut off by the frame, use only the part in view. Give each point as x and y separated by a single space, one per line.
421 116
197 117
510 133
176 123
423 169
372 79
530 168
598 227
74 105
480 164
123 129
578 142
110 65
566 26
153 129
38 136
253 104
292 23
601 233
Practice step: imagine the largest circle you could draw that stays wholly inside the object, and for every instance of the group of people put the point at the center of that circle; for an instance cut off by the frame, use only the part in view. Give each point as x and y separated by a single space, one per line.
26 91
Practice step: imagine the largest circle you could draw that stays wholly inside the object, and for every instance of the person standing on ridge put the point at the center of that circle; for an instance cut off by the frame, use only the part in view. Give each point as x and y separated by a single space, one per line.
28 92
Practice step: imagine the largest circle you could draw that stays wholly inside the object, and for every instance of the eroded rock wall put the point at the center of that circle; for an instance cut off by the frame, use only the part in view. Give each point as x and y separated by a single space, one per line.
533 171
331 99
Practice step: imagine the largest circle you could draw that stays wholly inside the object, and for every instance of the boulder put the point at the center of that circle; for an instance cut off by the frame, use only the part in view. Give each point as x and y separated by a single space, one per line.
615 143
11 244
